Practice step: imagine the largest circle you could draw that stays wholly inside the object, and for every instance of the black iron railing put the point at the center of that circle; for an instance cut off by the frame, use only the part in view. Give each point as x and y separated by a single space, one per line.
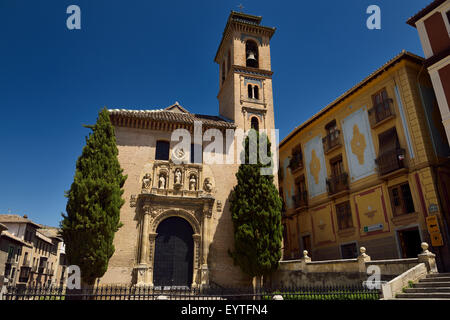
391 160
380 112
185 293
296 161
300 199
337 183
331 140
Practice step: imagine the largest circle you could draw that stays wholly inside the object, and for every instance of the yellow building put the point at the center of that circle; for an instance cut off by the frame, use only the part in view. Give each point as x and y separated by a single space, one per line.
370 169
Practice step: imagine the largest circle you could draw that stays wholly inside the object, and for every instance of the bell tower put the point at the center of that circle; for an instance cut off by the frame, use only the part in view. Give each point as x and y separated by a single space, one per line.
245 76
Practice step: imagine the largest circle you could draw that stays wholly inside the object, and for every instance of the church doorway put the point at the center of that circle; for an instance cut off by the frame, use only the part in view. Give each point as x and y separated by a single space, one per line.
174 253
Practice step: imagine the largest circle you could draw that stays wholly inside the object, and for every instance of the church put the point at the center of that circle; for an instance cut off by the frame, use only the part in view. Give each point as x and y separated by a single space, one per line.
177 228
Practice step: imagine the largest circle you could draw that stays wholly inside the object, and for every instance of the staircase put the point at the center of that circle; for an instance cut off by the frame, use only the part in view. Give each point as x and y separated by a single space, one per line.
434 286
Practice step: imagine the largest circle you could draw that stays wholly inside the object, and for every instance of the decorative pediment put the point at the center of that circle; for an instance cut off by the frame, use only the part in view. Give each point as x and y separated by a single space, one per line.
176 108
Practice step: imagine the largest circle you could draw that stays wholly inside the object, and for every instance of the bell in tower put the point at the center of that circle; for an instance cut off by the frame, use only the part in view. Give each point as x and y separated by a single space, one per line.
251 49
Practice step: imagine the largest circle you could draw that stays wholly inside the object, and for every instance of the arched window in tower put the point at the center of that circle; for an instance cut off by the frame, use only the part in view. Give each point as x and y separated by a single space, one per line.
229 61
223 71
255 123
250 91
251 54
256 92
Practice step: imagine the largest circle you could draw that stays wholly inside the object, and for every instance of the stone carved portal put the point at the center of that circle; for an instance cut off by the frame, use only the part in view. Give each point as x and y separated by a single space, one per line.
158 212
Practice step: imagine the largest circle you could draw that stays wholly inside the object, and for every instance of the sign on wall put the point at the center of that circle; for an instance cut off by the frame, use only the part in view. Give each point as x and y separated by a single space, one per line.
359 145
315 167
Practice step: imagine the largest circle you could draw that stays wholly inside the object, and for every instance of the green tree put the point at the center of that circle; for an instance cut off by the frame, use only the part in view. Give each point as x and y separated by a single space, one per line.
256 214
94 202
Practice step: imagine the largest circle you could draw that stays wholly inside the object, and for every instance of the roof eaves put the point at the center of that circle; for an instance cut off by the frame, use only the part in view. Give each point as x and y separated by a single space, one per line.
422 13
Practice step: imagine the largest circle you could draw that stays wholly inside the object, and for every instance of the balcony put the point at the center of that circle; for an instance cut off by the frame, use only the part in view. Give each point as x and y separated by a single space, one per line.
332 141
381 113
300 200
337 184
296 162
391 162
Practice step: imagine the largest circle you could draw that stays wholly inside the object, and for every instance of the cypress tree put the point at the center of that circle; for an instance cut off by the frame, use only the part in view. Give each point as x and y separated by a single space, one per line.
94 202
256 214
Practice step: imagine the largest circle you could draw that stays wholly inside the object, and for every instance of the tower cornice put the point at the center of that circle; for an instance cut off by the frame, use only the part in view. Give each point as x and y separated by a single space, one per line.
243 22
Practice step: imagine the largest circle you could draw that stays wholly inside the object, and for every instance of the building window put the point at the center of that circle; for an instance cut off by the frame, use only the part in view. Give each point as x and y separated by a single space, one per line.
223 71
401 199
162 150
251 50
255 123
344 215
196 153
296 161
337 166
250 91
256 92
391 156
229 61
349 251
381 109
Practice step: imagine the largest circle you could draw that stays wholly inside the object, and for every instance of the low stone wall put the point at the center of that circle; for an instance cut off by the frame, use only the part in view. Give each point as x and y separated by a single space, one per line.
319 273
304 272
396 285
394 267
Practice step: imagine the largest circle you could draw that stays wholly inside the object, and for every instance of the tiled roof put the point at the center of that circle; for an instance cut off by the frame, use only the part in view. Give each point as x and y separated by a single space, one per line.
14 218
164 115
403 55
43 237
412 21
6 234
50 232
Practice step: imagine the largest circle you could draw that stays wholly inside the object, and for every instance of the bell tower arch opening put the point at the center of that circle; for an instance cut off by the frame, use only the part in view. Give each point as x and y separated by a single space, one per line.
251 57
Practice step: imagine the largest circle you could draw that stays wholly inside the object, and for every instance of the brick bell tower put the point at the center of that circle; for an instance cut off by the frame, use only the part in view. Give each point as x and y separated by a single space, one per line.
245 76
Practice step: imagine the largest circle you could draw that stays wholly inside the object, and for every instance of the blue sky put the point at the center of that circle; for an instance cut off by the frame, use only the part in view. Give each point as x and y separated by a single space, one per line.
148 54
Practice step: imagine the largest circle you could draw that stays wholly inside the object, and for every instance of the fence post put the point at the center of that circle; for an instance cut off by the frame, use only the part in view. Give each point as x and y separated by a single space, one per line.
428 258
362 259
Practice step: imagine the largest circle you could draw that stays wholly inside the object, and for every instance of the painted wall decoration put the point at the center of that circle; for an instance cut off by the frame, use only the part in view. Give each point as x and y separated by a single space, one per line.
323 225
371 212
359 144
315 167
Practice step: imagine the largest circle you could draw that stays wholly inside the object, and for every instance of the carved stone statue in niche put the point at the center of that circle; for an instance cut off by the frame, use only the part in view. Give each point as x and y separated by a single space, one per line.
193 183
146 181
178 176
162 181
207 185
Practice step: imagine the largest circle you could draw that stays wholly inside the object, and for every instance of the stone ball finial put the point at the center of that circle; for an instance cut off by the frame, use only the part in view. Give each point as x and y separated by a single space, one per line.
305 253
424 246
362 250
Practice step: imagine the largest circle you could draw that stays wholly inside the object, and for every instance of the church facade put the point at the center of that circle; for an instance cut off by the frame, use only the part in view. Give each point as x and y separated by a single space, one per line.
177 228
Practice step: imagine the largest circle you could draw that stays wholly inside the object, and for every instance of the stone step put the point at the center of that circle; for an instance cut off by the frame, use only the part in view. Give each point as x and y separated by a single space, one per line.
440 279
438 275
428 290
431 284
424 295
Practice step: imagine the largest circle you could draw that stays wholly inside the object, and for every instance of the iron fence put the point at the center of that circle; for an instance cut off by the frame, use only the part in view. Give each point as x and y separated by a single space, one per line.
185 293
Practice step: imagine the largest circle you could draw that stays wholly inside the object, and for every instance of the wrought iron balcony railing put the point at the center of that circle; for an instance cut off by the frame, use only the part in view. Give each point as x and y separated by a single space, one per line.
381 112
300 199
337 183
391 160
296 162
331 141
